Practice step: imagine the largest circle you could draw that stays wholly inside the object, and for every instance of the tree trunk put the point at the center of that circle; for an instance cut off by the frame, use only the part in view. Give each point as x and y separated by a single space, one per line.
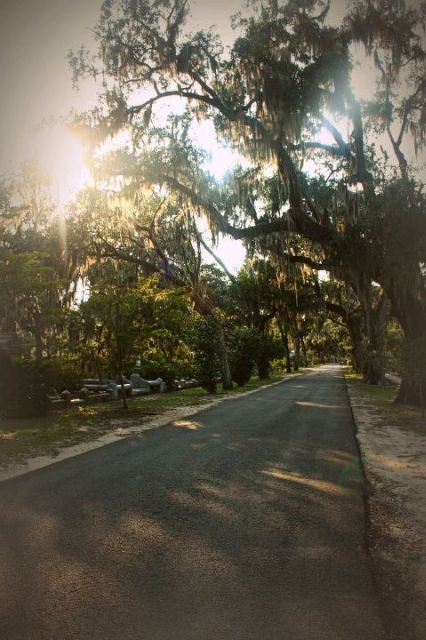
408 299
297 352
120 355
374 318
38 338
226 369
357 356
287 357
412 393
304 352
123 392
284 338
353 322
374 372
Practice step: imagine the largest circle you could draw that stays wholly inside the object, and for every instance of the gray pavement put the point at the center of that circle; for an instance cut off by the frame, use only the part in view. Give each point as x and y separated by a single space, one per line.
245 521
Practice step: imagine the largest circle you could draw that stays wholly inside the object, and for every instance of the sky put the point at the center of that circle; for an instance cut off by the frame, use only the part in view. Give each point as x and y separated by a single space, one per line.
35 36
35 80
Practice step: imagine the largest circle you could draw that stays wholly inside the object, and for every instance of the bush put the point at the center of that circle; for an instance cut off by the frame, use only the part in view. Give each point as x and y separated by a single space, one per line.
60 375
204 339
249 350
268 348
152 369
168 371
23 389
279 365
244 349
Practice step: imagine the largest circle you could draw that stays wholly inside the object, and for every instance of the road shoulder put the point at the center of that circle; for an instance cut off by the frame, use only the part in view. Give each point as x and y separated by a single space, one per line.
394 460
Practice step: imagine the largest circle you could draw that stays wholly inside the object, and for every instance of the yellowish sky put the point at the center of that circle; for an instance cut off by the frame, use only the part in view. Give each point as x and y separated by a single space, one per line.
35 81
35 85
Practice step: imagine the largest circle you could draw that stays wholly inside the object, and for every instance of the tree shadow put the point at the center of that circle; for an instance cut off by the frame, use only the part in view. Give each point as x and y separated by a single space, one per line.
197 530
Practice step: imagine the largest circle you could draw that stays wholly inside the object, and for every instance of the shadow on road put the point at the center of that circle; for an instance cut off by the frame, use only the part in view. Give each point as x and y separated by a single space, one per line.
219 524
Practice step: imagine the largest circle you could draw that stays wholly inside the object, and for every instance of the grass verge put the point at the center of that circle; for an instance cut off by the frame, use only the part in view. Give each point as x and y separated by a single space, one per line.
381 400
26 438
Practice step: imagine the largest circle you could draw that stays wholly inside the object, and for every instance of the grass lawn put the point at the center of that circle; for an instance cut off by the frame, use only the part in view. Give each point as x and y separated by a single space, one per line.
25 438
381 399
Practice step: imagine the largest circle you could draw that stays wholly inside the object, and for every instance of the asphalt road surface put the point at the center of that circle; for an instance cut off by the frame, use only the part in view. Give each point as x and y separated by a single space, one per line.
244 523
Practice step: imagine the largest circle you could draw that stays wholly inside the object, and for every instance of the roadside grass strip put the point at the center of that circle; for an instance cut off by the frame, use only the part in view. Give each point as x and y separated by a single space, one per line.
22 439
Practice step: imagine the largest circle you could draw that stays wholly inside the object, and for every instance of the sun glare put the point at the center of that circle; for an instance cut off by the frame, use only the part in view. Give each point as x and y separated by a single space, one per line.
221 159
60 156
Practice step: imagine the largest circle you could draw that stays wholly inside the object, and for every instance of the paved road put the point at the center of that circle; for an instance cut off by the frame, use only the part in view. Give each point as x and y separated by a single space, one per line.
244 523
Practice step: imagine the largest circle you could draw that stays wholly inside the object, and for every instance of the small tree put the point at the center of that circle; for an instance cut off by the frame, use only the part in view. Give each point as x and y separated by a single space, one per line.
205 343
116 310
268 348
244 350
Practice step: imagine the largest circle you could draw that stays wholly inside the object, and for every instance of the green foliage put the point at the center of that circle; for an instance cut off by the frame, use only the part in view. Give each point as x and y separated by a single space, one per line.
268 348
204 340
394 346
286 70
23 389
39 272
243 352
168 371
327 340
114 311
60 375
250 350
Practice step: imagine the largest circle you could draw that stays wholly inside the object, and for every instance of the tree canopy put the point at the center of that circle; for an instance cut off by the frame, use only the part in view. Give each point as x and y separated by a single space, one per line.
329 183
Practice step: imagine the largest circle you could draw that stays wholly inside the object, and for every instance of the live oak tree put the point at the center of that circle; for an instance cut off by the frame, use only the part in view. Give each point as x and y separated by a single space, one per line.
287 71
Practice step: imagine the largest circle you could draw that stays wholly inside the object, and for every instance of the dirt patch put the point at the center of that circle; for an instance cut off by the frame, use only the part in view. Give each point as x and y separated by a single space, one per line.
394 459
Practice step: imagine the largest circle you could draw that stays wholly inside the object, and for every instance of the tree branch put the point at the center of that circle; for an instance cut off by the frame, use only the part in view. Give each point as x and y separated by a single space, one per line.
217 259
343 146
317 266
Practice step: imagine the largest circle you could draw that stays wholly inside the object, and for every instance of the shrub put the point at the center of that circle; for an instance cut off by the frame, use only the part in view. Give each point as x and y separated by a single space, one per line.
244 349
268 348
160 368
279 365
23 389
204 339
60 375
